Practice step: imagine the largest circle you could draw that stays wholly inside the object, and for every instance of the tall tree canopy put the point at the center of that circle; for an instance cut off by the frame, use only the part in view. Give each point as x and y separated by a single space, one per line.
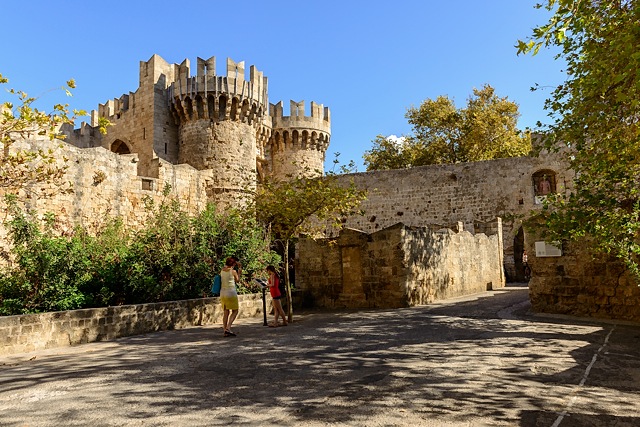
485 129
596 113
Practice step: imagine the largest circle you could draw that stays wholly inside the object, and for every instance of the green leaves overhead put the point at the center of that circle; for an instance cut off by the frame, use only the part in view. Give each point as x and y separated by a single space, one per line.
596 114
21 120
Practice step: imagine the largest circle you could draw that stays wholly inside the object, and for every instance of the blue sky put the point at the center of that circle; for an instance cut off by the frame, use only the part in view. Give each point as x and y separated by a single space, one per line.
367 61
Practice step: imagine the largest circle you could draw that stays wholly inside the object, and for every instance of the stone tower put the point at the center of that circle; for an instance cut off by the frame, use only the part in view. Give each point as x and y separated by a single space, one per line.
221 125
219 120
298 142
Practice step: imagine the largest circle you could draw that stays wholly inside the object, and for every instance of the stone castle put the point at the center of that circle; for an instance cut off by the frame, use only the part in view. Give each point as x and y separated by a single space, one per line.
214 138
210 122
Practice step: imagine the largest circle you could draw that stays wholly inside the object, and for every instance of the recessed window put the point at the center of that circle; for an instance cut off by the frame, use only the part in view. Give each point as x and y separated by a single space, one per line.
147 184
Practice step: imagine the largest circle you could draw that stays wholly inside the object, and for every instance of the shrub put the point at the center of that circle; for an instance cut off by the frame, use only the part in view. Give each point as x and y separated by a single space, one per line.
175 256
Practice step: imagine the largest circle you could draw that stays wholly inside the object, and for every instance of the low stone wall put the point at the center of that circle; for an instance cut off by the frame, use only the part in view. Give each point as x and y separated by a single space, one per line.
399 266
64 328
578 284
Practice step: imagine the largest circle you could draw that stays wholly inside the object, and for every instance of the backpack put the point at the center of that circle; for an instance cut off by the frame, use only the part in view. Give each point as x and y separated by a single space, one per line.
216 285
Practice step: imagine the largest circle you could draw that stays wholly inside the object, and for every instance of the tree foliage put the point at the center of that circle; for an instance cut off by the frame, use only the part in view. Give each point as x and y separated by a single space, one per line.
596 114
175 256
302 205
485 129
21 120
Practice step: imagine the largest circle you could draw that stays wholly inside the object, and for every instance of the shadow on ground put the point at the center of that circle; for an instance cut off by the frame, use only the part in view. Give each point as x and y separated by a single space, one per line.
453 362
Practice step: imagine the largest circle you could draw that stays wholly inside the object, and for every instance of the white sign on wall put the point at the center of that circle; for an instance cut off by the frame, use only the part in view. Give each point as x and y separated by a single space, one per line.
544 249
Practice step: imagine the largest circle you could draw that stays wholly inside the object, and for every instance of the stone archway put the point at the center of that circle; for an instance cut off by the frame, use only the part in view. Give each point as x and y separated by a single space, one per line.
120 147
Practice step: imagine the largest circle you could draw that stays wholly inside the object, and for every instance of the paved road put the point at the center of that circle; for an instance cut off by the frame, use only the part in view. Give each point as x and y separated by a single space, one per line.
477 361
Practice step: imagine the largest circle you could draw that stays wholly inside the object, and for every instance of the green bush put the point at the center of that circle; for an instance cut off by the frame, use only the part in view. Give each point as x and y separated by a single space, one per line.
173 257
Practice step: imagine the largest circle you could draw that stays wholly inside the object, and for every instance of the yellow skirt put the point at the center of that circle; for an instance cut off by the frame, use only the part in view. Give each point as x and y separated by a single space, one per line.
229 303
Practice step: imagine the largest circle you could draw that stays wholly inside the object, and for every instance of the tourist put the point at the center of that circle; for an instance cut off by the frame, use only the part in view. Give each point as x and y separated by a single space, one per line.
527 269
274 289
229 295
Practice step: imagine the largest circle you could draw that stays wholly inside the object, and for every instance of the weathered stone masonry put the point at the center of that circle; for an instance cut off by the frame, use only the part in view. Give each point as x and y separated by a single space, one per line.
400 266
465 192
578 284
31 332
212 137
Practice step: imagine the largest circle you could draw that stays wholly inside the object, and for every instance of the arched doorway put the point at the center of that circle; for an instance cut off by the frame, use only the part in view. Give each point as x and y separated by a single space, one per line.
120 147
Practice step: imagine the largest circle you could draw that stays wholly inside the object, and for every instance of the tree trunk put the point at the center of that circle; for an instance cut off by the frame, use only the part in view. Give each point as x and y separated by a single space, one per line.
286 281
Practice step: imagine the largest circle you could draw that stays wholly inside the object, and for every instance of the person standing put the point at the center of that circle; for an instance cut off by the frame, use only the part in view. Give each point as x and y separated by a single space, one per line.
527 269
274 289
229 295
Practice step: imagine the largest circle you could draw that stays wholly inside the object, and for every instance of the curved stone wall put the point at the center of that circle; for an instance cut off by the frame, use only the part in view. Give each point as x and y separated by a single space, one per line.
227 147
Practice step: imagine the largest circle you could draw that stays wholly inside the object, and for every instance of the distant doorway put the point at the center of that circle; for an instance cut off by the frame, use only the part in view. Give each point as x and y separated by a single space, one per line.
518 252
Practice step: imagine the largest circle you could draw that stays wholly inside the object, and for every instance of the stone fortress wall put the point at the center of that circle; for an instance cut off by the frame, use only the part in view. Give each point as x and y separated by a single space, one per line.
580 284
470 193
213 137
106 184
209 121
32 332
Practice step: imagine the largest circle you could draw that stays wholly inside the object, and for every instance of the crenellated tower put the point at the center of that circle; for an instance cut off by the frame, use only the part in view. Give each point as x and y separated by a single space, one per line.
220 122
298 142
221 125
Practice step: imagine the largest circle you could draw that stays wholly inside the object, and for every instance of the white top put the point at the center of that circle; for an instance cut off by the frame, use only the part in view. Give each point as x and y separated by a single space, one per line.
228 288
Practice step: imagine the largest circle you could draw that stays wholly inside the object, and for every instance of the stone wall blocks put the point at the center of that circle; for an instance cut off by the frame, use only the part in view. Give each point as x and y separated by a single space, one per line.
28 319
601 300
9 321
109 324
632 302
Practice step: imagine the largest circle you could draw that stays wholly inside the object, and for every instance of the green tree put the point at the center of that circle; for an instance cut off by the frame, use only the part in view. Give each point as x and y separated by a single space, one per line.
486 129
387 153
21 120
596 114
174 256
303 205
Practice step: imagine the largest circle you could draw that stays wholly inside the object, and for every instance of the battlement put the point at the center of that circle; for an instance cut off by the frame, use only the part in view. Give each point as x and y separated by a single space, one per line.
319 119
298 140
207 83
113 108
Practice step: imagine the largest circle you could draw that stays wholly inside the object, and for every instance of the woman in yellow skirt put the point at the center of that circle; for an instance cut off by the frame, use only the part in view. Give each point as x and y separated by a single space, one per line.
229 295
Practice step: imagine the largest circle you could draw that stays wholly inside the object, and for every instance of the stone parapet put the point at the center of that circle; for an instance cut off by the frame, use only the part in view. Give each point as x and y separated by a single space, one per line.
31 332
399 266
471 193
